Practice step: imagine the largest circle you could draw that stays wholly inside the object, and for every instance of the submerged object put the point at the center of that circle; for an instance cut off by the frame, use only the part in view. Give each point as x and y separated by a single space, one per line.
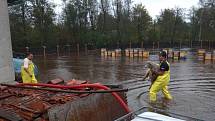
208 56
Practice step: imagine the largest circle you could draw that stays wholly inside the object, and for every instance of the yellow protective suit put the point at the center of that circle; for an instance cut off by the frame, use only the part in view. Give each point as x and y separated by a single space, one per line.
26 78
160 84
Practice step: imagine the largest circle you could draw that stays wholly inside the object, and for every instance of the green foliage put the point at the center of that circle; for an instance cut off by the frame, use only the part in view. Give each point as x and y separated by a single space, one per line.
106 23
141 22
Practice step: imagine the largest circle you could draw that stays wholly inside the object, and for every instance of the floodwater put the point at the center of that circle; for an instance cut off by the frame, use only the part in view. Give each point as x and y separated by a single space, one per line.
192 82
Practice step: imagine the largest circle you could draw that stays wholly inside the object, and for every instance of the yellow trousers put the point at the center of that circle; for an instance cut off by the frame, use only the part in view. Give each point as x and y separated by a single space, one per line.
26 78
156 87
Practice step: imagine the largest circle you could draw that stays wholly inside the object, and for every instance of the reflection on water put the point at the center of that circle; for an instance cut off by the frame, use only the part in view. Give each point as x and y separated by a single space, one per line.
93 68
192 82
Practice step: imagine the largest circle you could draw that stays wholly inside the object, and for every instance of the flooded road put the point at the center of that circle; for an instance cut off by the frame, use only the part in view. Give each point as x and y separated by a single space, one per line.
192 82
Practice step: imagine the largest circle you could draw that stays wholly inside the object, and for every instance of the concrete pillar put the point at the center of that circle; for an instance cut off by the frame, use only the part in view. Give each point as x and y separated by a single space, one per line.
6 62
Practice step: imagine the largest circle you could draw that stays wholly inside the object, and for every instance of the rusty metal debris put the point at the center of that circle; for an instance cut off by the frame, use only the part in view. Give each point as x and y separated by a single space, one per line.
20 104
56 81
34 103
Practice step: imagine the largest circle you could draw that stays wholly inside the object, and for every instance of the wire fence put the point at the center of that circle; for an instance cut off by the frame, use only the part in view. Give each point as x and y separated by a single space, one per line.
74 48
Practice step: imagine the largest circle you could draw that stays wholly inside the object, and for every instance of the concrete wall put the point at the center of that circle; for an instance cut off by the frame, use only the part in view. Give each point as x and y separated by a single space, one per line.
6 68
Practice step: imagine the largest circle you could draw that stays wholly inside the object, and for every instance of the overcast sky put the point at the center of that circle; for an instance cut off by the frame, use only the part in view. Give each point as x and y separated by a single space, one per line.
153 6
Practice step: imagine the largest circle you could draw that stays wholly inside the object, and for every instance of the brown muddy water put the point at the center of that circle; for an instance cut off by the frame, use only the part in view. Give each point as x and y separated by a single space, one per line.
192 82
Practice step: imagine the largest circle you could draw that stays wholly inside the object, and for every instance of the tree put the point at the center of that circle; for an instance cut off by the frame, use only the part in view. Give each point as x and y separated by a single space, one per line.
106 23
141 23
43 18
173 28
104 6
194 25
20 23
93 13
166 22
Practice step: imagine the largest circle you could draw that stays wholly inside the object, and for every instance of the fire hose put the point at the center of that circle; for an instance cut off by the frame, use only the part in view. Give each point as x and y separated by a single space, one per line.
97 86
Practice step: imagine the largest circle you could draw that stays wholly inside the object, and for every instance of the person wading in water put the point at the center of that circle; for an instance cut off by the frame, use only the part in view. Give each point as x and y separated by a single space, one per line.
162 80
